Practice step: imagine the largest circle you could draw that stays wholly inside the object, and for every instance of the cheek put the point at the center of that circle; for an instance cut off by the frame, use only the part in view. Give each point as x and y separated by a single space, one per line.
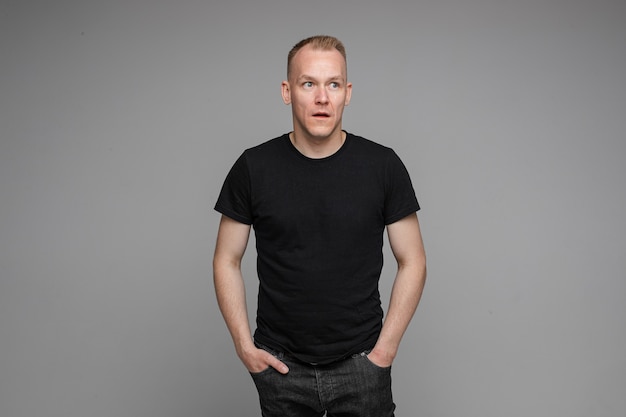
340 102
301 103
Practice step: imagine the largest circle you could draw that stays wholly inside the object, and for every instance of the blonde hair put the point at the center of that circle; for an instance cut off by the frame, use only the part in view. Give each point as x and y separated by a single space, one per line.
318 42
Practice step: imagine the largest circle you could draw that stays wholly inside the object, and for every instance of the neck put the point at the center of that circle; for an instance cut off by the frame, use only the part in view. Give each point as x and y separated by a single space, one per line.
317 148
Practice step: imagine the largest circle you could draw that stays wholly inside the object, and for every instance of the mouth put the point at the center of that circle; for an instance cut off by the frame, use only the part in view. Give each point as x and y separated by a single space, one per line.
321 115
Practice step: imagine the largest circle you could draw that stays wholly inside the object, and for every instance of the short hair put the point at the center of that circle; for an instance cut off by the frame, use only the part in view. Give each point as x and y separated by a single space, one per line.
317 42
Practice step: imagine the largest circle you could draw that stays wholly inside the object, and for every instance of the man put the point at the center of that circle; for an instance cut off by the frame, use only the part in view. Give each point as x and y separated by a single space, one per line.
319 199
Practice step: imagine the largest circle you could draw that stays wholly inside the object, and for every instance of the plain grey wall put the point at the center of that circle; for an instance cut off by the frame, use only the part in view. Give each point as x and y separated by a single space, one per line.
120 119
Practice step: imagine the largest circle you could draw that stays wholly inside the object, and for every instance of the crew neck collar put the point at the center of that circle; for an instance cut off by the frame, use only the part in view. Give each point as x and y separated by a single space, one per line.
287 137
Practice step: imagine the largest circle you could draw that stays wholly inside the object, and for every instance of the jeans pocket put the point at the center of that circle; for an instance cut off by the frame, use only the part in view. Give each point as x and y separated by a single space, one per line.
365 355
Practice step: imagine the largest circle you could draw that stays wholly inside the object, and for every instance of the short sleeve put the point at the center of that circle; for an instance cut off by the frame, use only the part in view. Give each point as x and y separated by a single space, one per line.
400 199
234 198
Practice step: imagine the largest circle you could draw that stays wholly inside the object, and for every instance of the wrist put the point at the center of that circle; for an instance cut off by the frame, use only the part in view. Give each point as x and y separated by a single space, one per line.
380 357
245 347
386 353
383 354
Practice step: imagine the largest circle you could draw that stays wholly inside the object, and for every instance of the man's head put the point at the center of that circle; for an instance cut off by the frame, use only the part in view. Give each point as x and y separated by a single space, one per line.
318 42
317 87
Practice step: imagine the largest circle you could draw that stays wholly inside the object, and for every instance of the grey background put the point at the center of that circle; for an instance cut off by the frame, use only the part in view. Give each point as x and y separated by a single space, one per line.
120 119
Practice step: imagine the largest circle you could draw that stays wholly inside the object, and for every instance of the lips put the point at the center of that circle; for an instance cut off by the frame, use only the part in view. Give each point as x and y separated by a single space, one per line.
321 114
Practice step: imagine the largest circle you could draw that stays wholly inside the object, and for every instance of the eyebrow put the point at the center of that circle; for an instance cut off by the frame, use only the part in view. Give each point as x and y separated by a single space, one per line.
309 77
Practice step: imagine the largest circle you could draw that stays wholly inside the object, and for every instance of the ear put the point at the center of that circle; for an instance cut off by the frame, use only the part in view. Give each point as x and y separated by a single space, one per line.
348 93
286 92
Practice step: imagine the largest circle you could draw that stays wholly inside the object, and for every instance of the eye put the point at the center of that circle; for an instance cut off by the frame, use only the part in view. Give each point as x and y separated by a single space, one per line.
307 84
334 85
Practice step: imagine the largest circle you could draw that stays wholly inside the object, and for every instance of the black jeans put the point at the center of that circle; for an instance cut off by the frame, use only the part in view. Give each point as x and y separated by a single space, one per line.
353 387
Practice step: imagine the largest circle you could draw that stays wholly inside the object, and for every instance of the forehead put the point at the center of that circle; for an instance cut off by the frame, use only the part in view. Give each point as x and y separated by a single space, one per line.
310 61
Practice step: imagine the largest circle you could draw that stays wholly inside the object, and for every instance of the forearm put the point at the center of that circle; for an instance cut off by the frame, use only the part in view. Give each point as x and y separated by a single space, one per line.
405 296
232 239
231 298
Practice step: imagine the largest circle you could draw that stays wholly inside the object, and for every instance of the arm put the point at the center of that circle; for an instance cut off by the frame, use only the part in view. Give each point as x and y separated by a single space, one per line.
232 239
406 244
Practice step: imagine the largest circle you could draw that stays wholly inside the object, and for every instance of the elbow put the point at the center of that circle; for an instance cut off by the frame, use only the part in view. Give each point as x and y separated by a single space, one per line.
223 265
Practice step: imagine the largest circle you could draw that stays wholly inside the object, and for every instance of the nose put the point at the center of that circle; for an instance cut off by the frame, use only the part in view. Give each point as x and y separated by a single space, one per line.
321 97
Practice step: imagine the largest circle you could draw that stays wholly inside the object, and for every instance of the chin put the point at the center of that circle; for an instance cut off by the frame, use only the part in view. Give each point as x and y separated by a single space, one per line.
321 133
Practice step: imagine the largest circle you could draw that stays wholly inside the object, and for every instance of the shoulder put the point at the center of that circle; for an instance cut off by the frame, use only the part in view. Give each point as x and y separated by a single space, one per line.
370 149
362 142
267 147
266 157
262 153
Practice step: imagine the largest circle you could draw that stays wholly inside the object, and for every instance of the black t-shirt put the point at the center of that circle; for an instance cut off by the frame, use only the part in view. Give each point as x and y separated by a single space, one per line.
319 226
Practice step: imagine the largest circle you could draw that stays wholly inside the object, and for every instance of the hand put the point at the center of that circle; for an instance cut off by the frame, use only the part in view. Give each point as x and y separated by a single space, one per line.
380 359
257 360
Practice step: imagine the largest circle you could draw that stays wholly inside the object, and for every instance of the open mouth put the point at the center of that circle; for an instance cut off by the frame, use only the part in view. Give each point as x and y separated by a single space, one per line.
321 115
